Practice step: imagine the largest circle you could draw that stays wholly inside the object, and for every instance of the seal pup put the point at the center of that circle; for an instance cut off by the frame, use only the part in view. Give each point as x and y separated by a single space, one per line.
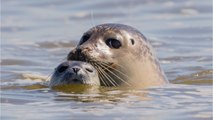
121 55
74 72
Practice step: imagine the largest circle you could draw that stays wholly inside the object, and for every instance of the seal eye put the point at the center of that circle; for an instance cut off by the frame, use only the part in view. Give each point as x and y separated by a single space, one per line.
113 43
84 38
62 68
89 70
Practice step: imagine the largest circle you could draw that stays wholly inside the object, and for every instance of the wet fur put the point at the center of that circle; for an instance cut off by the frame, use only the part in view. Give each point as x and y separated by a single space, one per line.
132 65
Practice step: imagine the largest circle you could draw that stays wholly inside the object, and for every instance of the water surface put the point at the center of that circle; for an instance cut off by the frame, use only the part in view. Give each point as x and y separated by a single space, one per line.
37 35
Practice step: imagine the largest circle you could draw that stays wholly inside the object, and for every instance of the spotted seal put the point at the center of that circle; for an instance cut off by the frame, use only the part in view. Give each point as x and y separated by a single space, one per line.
74 72
121 55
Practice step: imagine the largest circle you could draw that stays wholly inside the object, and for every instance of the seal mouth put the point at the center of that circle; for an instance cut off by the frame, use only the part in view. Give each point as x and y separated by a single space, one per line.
78 81
75 80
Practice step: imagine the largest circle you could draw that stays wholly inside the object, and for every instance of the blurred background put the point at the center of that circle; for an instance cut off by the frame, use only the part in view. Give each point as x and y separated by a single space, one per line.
180 30
37 35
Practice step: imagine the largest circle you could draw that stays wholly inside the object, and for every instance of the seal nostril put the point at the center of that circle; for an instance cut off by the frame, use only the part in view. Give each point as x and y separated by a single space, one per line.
89 70
62 68
78 51
76 69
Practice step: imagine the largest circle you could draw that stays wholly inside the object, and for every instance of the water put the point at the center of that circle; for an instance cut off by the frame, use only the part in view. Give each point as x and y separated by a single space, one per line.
37 35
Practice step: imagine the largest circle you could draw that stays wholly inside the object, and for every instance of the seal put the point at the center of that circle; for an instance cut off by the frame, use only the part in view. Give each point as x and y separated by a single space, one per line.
74 72
121 55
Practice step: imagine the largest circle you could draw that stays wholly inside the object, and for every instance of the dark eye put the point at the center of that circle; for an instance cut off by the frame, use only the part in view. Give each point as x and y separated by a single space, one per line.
62 68
89 70
113 43
84 38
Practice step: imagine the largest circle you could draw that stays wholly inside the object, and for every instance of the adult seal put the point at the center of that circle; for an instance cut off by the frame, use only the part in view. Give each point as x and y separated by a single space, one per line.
74 72
121 55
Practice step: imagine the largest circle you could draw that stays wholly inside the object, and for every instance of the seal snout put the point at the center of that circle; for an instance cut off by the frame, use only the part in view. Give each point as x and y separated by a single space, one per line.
80 53
75 69
69 72
73 73
77 55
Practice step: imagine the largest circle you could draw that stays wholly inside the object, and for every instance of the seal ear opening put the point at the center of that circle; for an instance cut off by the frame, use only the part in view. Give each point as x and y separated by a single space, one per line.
132 41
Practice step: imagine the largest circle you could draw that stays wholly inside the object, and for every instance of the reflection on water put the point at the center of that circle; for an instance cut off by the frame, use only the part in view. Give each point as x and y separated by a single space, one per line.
200 78
37 36
189 101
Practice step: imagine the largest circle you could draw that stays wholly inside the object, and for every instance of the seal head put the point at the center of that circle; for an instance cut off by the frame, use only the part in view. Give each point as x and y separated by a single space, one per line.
74 72
121 55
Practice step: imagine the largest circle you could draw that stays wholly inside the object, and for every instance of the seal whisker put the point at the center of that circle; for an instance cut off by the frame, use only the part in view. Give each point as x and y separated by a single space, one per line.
109 78
114 83
49 76
105 64
100 73
116 75
114 64
104 75
119 71
119 65
92 18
